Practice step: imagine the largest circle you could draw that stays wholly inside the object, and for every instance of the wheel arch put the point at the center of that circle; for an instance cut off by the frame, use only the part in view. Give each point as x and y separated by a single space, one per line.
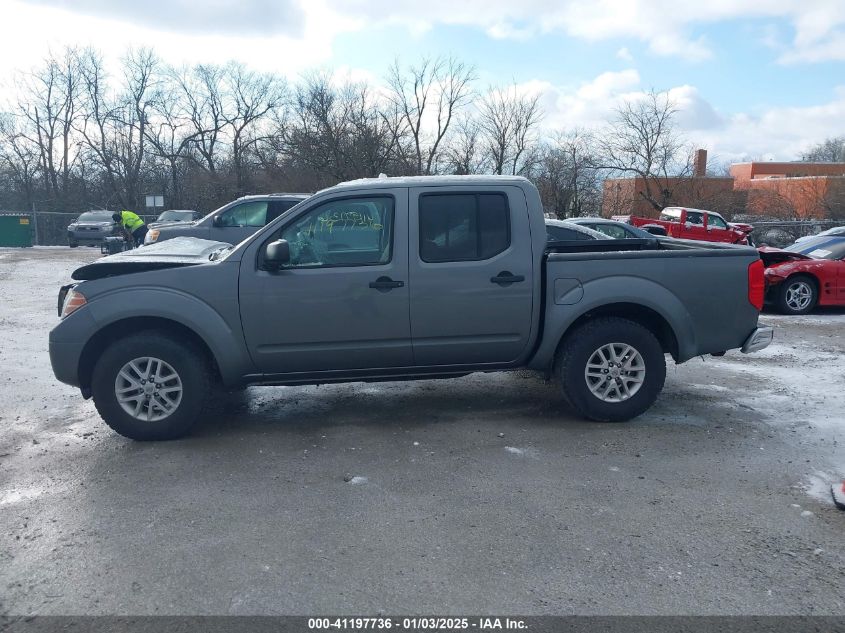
116 330
649 318
803 273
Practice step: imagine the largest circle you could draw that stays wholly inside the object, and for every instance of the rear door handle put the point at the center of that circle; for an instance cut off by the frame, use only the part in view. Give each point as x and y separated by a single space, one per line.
506 278
385 284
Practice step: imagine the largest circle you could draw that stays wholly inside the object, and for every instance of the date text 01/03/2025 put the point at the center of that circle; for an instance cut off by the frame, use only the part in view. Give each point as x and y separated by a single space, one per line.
416 623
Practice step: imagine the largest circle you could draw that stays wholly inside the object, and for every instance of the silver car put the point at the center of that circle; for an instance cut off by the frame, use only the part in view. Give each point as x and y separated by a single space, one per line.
91 228
231 223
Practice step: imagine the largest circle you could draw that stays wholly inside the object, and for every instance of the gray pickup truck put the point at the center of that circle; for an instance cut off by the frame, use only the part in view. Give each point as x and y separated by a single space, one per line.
398 279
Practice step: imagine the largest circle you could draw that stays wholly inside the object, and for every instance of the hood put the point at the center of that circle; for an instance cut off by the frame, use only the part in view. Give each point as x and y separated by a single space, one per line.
774 256
173 253
96 224
741 226
177 224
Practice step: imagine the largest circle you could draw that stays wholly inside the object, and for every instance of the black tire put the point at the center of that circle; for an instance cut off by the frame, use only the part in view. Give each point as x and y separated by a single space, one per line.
787 300
73 244
580 346
189 363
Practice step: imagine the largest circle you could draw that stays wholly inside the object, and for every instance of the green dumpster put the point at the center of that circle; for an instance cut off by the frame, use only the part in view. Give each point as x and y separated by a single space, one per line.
15 229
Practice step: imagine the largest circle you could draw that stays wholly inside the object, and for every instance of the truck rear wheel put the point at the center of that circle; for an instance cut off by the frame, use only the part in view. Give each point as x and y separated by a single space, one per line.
611 369
150 386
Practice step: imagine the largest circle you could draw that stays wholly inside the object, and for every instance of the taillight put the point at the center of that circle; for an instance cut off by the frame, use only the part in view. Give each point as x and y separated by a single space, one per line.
73 301
756 284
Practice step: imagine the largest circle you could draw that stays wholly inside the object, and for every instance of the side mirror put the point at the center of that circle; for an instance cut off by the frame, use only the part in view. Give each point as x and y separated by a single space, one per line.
217 221
277 254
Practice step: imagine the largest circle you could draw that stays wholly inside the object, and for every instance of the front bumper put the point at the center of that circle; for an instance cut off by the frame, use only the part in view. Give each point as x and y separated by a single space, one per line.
88 237
759 339
67 341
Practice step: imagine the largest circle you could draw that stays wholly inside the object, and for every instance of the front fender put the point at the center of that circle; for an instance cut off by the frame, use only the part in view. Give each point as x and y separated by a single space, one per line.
225 342
605 292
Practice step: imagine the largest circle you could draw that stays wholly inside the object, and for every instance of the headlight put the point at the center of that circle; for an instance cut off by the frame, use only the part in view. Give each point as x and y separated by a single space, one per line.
73 301
71 227
151 236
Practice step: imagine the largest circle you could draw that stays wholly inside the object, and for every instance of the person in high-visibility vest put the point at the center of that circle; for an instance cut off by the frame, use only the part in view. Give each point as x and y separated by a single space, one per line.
132 224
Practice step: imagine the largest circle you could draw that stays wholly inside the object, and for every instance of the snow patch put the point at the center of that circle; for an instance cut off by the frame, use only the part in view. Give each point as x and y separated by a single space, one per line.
357 480
818 485
522 452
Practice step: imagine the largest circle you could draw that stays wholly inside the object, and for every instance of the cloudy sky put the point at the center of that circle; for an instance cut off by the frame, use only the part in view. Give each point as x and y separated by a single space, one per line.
759 79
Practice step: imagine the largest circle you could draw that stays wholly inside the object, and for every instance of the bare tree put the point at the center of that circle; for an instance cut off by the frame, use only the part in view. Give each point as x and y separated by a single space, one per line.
567 177
201 93
171 134
429 96
508 121
49 101
831 150
115 126
464 152
641 142
247 99
19 156
339 131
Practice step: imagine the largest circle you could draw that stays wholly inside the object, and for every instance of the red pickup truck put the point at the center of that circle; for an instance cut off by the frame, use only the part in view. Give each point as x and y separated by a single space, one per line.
694 224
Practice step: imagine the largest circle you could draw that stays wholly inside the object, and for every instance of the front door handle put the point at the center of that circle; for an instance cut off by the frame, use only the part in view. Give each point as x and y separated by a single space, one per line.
383 284
506 278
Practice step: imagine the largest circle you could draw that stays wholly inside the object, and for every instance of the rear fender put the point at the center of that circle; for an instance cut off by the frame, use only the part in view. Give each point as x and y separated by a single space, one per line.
616 296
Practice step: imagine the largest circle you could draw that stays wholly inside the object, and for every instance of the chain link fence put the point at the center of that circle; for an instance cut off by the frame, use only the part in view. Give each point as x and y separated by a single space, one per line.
49 228
780 233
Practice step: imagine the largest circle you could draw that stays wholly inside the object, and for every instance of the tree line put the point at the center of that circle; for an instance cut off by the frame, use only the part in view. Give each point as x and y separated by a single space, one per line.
76 137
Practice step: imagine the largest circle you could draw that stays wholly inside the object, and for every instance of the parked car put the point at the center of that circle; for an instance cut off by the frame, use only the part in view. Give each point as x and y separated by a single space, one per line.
564 230
614 229
806 274
91 228
398 279
174 215
836 231
231 223
694 224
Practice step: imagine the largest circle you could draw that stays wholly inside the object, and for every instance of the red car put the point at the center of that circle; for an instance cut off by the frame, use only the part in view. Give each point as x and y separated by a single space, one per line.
694 224
806 274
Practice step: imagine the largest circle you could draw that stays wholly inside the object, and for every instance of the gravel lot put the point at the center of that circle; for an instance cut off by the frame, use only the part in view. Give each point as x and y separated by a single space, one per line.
476 495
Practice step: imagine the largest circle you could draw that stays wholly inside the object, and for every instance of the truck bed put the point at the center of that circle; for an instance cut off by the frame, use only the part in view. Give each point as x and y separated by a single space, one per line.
704 304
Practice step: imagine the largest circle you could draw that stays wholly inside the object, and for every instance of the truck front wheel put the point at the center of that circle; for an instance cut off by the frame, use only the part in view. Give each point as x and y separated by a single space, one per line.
611 369
150 386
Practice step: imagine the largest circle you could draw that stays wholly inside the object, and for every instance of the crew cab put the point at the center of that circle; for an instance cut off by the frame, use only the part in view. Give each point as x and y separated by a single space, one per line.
694 224
399 279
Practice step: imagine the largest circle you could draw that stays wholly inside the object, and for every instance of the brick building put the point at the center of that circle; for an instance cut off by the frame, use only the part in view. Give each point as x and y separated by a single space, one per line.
802 190
788 190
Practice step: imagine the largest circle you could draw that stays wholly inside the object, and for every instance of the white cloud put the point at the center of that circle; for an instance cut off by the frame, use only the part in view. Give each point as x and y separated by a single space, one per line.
624 54
33 29
781 133
249 17
666 26
308 27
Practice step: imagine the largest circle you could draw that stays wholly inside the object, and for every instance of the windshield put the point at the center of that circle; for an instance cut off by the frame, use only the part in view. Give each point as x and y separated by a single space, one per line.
175 216
95 216
820 248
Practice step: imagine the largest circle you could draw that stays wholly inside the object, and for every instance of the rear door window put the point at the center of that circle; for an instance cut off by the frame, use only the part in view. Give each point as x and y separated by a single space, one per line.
463 227
245 214
611 230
